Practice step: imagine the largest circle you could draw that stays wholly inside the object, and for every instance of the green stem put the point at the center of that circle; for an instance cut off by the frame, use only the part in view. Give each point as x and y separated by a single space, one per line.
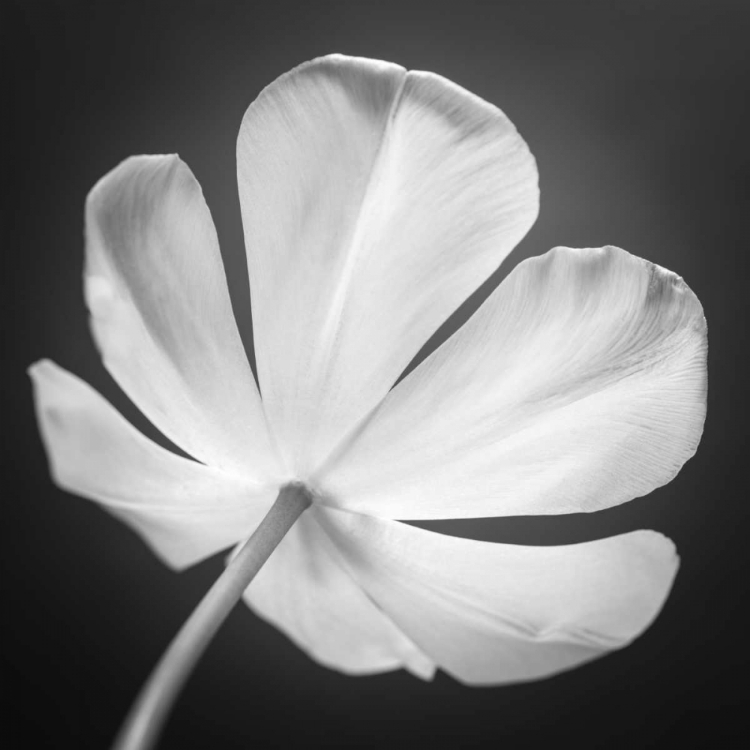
149 712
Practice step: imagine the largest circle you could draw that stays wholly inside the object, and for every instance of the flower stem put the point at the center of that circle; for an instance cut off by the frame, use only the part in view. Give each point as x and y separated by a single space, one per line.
149 712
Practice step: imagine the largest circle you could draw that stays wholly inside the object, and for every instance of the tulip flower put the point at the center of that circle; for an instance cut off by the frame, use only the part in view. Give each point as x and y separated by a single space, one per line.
374 201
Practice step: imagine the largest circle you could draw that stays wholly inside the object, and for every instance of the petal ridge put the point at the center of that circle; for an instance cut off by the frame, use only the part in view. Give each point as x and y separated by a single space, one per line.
358 272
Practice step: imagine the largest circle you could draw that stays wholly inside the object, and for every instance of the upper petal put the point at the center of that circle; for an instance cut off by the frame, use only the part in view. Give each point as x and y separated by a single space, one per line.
373 201
498 613
161 314
184 510
579 384
305 591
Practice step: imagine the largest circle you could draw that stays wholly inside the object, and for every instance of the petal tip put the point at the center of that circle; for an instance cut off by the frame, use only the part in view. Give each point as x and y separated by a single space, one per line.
36 369
130 166
660 544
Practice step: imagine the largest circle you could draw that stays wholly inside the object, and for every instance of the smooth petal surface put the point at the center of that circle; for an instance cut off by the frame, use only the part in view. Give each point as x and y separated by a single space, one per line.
161 314
305 592
184 510
374 201
496 613
579 384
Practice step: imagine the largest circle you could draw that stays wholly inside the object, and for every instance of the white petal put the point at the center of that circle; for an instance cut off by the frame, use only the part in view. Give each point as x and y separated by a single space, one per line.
161 314
497 613
579 384
184 510
374 201
304 591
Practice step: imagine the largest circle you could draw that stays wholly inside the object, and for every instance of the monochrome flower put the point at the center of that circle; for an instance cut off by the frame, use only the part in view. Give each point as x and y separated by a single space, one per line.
374 201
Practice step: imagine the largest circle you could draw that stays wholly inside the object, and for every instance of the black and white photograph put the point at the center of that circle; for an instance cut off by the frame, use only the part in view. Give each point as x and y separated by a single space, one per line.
376 374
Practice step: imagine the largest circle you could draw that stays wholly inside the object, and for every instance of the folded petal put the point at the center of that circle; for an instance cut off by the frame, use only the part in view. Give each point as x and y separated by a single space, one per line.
497 613
305 592
161 314
374 201
184 510
579 384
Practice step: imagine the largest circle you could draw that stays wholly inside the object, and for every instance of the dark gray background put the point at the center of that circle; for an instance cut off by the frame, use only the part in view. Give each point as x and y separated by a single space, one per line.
637 114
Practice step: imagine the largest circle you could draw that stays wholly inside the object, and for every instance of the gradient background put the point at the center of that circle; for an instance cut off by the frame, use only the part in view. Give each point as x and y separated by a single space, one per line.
637 114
